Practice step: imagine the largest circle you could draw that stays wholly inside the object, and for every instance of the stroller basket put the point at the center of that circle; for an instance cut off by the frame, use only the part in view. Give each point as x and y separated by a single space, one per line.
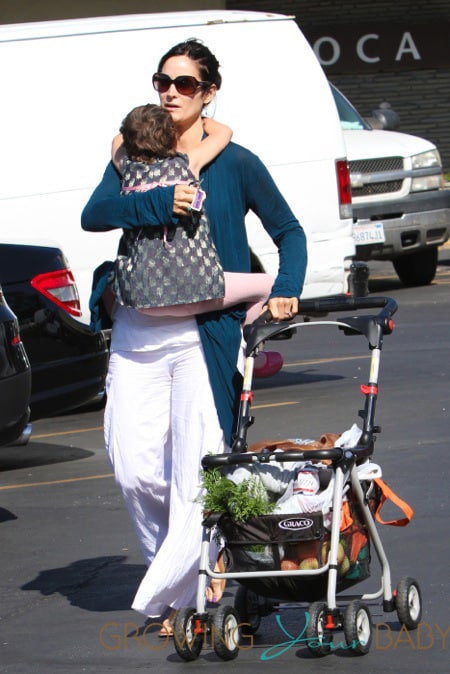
299 541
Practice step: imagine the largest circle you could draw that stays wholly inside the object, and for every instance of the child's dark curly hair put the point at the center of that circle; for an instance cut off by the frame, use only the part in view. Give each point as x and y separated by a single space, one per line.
148 133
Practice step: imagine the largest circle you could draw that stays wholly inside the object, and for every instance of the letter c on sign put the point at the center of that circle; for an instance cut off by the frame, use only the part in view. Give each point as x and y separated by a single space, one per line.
360 48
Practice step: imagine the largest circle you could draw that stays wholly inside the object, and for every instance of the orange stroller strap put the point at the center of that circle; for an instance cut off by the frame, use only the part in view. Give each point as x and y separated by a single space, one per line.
359 540
346 518
387 493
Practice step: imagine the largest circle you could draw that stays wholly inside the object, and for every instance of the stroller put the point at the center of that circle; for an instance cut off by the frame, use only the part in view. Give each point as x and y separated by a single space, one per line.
304 557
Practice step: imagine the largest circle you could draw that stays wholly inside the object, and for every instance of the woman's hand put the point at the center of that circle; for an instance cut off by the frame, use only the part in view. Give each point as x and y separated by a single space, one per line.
282 308
182 199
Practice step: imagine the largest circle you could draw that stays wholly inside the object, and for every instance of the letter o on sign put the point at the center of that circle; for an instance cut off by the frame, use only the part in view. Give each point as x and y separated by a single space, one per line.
329 43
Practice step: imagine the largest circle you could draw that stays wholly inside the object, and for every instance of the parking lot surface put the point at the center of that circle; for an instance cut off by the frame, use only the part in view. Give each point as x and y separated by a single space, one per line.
70 560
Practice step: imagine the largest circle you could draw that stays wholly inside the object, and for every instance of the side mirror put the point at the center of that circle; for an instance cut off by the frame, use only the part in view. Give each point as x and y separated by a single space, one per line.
384 118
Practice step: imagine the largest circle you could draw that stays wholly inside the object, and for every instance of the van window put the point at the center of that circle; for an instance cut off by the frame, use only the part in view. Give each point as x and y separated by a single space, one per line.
350 118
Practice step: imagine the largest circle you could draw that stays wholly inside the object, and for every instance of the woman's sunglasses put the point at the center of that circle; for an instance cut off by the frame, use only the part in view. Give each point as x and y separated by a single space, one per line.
186 85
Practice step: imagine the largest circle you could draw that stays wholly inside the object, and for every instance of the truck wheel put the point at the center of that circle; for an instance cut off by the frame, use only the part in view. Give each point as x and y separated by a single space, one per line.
417 269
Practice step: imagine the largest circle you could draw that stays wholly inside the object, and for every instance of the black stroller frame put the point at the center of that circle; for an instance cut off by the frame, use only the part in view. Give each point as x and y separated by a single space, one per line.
325 616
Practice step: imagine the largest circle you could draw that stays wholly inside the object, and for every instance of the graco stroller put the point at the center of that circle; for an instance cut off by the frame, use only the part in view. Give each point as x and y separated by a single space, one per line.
304 557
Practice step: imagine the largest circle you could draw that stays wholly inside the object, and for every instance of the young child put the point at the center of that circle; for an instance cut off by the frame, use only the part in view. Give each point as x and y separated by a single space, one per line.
144 154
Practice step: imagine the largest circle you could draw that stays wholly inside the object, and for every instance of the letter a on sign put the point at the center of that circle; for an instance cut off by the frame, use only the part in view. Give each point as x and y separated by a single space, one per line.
407 46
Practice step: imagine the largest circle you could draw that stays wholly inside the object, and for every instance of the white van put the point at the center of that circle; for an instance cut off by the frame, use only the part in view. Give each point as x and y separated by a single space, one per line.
67 85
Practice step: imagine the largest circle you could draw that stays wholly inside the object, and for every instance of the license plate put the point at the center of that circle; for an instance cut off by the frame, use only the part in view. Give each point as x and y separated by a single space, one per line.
370 232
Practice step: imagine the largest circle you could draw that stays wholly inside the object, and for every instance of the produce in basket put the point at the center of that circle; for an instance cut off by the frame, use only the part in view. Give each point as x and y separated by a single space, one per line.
246 499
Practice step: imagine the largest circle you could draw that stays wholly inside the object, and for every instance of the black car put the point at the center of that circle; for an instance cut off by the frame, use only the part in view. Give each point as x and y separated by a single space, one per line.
15 377
68 361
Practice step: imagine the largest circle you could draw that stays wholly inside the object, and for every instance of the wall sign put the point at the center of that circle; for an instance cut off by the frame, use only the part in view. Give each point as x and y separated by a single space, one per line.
381 47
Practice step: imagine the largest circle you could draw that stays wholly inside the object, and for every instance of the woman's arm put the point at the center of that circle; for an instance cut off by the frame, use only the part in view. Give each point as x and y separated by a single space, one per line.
265 199
218 137
106 209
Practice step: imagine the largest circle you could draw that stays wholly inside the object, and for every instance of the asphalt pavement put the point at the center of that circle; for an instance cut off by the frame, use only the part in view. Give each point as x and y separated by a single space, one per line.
71 565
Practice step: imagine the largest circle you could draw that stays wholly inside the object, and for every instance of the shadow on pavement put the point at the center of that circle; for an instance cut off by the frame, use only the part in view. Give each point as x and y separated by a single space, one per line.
6 515
39 454
98 584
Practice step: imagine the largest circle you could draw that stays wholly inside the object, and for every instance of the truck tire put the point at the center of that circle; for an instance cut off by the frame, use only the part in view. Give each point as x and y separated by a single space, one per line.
417 269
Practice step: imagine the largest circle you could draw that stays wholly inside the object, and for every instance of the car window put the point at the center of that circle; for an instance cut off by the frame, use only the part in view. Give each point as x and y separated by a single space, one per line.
348 115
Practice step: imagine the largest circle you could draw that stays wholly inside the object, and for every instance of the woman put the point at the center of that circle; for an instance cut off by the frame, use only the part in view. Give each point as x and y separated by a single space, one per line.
173 383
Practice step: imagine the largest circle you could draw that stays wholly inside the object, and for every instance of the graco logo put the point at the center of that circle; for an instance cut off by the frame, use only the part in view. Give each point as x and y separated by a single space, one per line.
296 523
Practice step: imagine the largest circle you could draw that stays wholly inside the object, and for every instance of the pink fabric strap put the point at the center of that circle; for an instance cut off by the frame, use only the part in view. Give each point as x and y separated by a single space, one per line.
150 186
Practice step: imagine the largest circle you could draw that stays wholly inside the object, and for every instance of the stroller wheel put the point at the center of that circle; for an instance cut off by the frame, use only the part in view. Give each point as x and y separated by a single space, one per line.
247 605
188 644
358 627
408 603
226 634
319 639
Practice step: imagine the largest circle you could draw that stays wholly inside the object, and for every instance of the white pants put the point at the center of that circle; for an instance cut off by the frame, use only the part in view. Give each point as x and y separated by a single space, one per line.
160 419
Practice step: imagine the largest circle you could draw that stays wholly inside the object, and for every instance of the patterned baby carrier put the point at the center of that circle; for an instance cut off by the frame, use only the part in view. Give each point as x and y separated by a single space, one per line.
167 265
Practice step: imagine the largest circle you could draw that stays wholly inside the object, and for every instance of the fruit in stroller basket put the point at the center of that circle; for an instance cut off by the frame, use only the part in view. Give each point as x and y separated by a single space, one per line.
289 565
326 551
344 566
309 563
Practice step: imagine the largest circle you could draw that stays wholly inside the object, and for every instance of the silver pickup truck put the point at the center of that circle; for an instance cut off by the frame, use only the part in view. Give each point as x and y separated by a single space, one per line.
401 210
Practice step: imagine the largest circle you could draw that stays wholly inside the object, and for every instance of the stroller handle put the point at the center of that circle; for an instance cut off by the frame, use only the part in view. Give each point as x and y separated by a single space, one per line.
334 454
344 302
264 327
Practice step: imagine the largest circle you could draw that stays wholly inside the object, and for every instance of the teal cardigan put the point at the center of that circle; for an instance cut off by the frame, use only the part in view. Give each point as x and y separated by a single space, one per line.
235 182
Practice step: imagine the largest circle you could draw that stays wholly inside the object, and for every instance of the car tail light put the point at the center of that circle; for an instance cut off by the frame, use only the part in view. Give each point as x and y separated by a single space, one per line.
60 287
344 188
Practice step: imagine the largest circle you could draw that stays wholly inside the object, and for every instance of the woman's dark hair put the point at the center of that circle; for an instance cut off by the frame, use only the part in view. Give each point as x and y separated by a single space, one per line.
148 133
197 51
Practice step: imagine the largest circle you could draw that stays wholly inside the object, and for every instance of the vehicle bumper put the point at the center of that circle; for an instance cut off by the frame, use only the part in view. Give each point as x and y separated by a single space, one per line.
417 222
77 370
14 411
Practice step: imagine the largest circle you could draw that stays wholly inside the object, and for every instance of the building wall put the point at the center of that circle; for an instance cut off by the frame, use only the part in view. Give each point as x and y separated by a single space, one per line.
419 92
22 11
